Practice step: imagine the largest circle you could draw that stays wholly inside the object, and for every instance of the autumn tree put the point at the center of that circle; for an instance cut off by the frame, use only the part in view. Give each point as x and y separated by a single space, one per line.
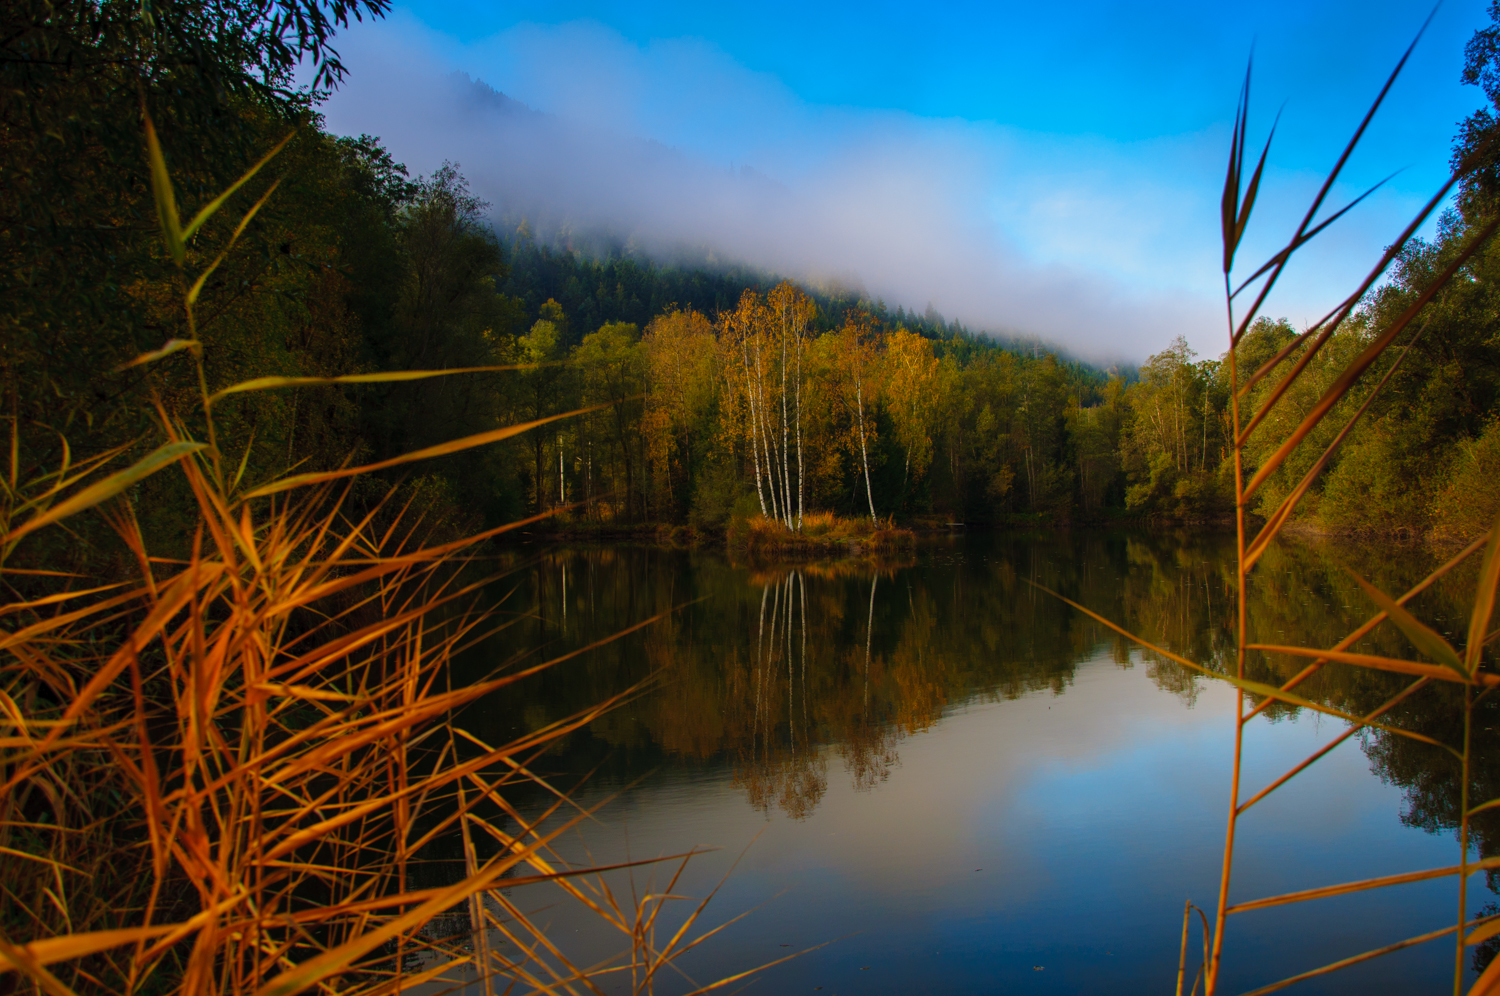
854 371
911 379
680 406
790 311
764 339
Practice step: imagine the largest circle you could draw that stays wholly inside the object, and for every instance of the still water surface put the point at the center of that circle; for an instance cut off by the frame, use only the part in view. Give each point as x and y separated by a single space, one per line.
964 786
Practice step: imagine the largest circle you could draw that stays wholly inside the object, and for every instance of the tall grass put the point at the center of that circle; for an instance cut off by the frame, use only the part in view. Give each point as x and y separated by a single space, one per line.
225 774
1436 663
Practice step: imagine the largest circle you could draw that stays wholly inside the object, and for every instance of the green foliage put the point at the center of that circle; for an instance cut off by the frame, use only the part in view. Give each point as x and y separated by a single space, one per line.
720 496
1467 500
76 217
617 287
355 267
443 313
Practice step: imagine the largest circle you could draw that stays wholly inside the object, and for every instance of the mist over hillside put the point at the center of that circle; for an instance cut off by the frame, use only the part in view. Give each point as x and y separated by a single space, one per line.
598 280
900 207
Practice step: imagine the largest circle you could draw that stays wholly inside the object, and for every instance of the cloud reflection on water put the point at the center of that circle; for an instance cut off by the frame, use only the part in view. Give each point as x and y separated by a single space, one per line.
1087 784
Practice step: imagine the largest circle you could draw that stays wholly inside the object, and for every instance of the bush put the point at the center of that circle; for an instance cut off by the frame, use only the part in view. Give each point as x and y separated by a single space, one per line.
1467 502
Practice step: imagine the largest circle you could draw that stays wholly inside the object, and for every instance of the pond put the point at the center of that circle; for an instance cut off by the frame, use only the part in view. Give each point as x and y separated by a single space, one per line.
953 782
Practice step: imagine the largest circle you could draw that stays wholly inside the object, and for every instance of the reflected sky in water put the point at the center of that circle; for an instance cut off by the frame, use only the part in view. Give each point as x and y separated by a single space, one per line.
962 786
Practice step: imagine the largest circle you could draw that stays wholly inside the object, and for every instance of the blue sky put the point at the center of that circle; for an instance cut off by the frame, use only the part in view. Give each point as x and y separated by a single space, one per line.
1042 169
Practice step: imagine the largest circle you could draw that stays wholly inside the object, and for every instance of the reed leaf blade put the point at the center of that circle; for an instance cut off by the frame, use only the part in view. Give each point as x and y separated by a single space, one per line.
102 491
211 208
1423 637
385 377
171 346
1484 600
166 200
442 449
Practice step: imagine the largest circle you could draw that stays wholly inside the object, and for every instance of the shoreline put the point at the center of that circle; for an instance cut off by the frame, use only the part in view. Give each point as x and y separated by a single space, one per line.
858 537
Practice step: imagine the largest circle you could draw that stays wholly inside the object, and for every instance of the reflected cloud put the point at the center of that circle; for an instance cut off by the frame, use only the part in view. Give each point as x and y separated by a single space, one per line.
940 752
801 681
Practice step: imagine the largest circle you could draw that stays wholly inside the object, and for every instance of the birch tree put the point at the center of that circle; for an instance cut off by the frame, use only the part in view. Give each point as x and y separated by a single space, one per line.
744 387
764 342
790 311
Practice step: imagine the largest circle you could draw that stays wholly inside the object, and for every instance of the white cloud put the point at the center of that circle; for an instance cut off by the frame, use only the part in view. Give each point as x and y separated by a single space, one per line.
1109 249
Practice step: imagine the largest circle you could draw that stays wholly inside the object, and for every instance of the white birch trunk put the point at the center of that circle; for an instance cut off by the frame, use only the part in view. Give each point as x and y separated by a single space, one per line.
768 447
773 461
785 436
799 440
859 396
754 446
766 438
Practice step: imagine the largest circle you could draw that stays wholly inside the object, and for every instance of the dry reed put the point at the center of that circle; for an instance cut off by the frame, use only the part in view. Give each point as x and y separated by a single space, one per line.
1464 666
223 775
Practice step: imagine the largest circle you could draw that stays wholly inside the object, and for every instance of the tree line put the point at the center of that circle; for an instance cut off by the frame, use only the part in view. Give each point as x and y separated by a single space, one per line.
716 392
879 654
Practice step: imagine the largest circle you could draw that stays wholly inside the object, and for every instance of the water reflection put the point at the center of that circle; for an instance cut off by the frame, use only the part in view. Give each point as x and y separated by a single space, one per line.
758 669
771 769
796 690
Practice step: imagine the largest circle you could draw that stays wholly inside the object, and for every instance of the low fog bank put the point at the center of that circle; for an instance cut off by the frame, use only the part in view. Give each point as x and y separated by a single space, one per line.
904 208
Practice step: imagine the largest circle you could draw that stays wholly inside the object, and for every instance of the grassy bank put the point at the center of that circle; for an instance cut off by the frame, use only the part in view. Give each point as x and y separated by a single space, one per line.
821 534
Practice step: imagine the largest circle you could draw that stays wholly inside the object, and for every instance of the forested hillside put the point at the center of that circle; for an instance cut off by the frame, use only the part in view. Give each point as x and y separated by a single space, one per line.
724 391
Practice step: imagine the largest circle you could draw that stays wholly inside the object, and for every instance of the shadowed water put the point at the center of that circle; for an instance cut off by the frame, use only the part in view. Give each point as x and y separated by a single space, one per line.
964 785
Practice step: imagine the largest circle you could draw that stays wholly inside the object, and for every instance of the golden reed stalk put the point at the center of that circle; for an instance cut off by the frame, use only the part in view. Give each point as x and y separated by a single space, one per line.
221 776
1445 663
